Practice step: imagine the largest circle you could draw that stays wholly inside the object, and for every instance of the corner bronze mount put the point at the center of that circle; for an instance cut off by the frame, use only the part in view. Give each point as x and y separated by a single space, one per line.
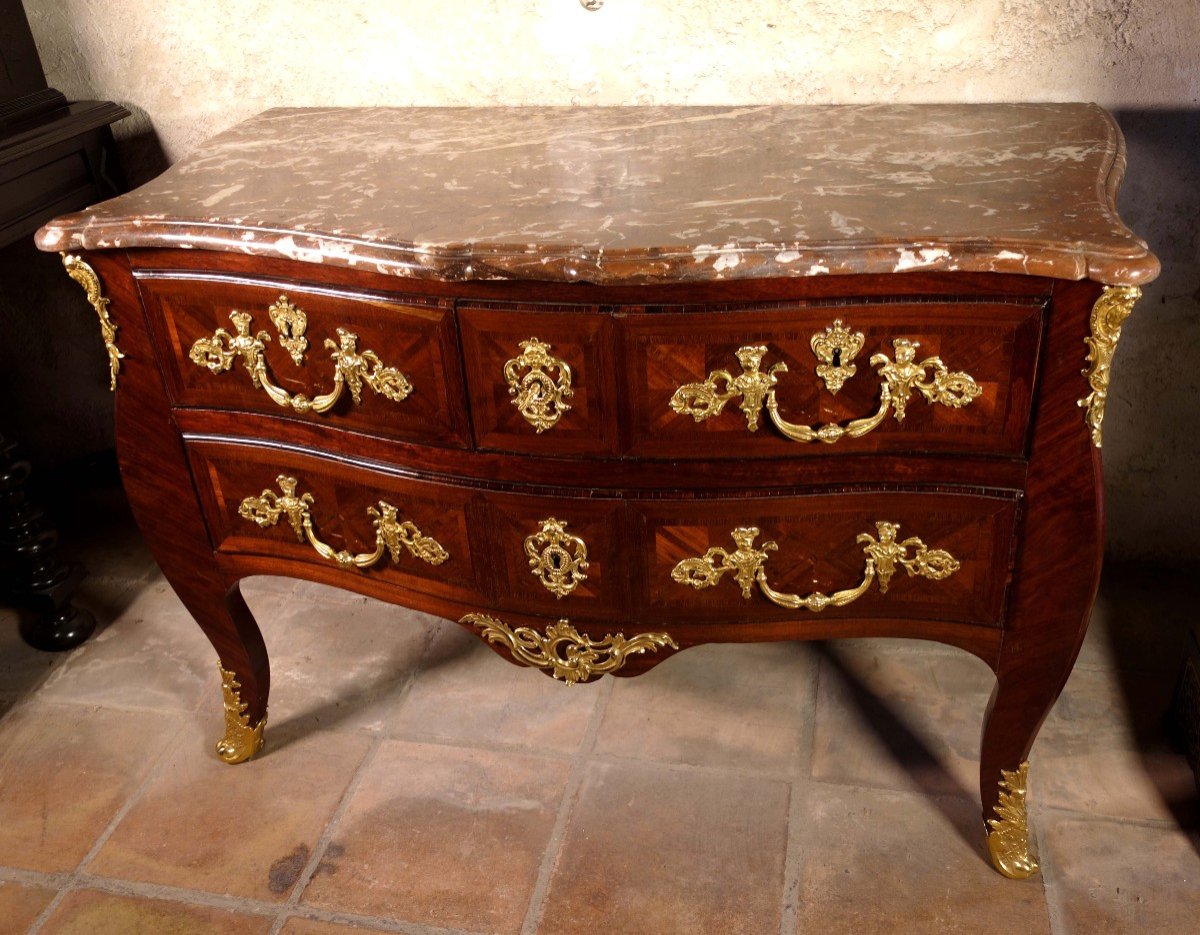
82 273
242 739
1108 314
1008 832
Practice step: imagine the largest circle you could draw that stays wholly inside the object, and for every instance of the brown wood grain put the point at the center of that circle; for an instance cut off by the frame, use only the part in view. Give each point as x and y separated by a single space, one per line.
164 501
1060 551
414 334
1010 485
994 342
581 337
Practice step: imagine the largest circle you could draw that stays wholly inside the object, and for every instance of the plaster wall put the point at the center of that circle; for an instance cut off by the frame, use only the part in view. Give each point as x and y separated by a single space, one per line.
189 68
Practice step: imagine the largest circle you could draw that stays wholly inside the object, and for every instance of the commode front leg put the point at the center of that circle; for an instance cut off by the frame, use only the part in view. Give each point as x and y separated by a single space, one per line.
170 519
1057 567
158 483
1018 706
245 695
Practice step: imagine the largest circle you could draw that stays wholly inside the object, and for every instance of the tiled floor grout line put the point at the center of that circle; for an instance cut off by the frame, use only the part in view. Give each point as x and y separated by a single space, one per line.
799 788
343 805
205 899
1068 814
917 793
1047 874
79 874
382 924
566 805
161 891
435 740
789 911
33 877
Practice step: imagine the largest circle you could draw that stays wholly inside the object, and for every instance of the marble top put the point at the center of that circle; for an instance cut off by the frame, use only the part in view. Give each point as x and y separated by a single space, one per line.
647 194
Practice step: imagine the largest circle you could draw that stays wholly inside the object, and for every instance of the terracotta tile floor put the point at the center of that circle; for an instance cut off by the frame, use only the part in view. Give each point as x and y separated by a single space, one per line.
415 783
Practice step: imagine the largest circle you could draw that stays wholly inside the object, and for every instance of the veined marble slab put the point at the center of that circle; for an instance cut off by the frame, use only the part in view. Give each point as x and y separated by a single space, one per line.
647 194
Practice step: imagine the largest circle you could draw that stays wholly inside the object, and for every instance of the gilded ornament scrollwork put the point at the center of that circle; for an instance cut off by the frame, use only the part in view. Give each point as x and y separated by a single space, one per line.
540 384
242 739
835 348
747 564
392 535
562 650
901 377
557 558
1108 314
352 369
82 273
1008 832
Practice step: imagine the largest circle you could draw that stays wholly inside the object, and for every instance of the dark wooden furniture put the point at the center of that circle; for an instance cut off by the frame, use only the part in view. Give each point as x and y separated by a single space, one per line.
605 384
54 157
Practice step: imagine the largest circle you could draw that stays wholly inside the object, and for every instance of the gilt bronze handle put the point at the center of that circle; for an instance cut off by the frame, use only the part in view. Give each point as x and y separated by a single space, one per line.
756 387
391 533
747 563
351 368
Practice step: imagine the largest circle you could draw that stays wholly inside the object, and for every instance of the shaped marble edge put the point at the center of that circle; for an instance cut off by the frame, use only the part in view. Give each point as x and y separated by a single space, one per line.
1111 255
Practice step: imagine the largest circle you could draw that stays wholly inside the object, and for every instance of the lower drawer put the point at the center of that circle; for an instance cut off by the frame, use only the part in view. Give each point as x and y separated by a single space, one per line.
862 553
262 500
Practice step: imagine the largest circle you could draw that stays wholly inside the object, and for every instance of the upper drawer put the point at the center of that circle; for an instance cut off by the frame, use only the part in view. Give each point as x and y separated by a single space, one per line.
540 381
887 377
360 361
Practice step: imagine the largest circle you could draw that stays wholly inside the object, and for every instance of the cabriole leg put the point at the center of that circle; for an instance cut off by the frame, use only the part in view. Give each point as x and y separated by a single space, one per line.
1009 730
158 482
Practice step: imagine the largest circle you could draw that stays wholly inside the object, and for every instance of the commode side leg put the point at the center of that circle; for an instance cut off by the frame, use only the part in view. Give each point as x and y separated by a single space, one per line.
164 501
1056 573
1022 698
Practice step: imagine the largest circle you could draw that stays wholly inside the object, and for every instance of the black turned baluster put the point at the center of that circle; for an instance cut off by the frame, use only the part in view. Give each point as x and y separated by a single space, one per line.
31 575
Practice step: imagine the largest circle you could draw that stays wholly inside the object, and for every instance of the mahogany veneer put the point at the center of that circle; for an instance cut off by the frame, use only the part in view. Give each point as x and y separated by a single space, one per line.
641 249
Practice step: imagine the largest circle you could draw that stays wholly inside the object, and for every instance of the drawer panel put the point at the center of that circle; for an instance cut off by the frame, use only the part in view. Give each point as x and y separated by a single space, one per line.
340 501
893 554
995 343
412 345
520 406
559 555
817 548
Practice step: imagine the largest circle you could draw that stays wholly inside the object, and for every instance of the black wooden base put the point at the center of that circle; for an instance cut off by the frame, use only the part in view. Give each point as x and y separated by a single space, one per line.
32 577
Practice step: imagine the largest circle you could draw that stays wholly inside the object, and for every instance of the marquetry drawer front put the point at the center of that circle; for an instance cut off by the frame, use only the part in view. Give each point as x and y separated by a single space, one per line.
889 377
266 501
540 381
857 554
353 360
558 555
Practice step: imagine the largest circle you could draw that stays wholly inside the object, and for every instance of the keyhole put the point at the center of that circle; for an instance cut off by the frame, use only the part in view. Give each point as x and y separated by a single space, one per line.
837 356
